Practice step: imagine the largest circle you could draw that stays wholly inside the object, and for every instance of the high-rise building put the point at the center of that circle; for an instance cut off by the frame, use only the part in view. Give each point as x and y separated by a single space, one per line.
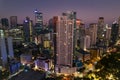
114 32
101 34
108 35
65 35
13 21
28 29
101 20
101 31
108 32
53 27
38 21
3 53
5 23
85 42
6 50
93 33
78 25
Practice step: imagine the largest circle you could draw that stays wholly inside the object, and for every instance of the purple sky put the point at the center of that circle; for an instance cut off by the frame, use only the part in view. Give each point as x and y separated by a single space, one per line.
87 10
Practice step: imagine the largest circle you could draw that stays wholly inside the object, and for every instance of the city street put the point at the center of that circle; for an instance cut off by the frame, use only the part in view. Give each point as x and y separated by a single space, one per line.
29 75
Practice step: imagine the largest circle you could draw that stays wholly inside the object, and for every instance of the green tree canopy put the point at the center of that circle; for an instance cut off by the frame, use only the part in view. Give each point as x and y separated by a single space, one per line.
109 67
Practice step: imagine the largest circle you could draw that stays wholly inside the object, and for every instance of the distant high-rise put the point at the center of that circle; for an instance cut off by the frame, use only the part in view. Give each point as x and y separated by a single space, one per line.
6 50
38 21
78 25
85 42
108 32
13 21
93 33
101 31
28 29
101 20
65 36
114 31
5 23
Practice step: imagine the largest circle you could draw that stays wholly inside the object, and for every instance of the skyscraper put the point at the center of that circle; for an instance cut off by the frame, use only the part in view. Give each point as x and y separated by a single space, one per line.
13 21
108 35
65 34
78 25
38 22
93 33
5 23
85 42
6 50
28 29
114 32
108 32
101 31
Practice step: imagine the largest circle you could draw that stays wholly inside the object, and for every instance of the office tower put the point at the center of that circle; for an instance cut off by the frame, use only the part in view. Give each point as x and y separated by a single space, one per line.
3 52
6 50
54 23
108 35
82 29
101 20
10 47
93 33
65 35
101 31
85 42
5 23
38 21
78 25
28 29
13 21
50 25
108 32
114 32
81 34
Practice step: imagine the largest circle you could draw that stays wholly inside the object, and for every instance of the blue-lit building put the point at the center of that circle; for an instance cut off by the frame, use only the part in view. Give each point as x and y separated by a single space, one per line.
14 67
6 50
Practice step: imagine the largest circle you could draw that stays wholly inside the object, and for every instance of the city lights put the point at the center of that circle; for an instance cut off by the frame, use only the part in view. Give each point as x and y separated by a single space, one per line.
48 43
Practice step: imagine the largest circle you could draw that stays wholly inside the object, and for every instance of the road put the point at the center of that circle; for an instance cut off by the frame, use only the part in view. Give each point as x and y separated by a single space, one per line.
29 75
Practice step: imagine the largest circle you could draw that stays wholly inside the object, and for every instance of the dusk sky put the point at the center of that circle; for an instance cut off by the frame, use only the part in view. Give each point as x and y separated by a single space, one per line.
87 10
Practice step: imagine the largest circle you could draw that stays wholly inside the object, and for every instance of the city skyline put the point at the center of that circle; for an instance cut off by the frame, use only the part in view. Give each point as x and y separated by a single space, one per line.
88 11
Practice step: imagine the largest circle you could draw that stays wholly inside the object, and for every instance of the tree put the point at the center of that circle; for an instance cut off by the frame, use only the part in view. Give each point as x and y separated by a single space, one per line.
108 67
